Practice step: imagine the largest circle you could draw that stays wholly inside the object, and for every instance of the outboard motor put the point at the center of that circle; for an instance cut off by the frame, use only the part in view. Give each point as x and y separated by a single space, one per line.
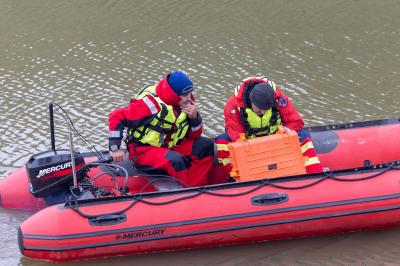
50 172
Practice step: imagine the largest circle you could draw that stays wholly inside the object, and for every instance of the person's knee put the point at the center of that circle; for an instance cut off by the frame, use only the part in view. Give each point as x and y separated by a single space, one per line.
303 135
223 136
177 160
203 147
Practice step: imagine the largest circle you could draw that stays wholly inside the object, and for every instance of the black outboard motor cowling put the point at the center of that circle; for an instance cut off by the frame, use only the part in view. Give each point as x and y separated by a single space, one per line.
51 171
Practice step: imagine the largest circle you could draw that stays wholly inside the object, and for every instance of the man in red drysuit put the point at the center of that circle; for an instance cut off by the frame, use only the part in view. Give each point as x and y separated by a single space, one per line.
164 131
256 109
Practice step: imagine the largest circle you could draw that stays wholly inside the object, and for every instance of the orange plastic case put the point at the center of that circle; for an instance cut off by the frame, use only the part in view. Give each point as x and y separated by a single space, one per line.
266 157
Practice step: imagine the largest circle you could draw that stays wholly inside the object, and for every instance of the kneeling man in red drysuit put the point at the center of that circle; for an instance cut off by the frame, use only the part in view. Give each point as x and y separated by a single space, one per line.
256 108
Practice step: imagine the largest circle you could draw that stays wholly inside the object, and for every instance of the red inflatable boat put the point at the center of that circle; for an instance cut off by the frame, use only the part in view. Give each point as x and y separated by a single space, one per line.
226 214
358 191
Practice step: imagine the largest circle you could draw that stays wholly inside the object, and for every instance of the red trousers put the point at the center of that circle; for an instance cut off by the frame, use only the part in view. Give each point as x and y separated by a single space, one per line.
311 160
190 161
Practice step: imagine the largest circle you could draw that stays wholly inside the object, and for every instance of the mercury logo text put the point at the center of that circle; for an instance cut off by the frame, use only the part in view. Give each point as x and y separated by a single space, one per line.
141 234
54 169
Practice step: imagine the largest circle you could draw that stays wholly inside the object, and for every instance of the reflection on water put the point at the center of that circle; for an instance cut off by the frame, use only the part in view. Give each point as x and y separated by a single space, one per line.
338 60
9 222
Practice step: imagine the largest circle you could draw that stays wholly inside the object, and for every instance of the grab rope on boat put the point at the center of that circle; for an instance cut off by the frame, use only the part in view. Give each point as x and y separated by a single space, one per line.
74 204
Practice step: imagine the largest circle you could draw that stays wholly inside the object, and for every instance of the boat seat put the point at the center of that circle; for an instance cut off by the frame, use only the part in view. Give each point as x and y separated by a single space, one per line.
158 177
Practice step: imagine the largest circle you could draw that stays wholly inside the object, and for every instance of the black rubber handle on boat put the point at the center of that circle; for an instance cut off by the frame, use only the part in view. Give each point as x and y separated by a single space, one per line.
107 219
269 199
108 159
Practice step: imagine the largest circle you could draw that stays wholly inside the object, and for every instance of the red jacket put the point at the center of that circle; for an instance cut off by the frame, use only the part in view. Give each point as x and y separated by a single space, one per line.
138 113
234 127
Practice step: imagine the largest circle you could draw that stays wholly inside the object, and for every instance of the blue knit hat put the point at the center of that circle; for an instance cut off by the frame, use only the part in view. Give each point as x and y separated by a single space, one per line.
180 83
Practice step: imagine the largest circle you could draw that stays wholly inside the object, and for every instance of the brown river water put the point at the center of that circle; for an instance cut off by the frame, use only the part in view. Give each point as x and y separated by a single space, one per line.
338 61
